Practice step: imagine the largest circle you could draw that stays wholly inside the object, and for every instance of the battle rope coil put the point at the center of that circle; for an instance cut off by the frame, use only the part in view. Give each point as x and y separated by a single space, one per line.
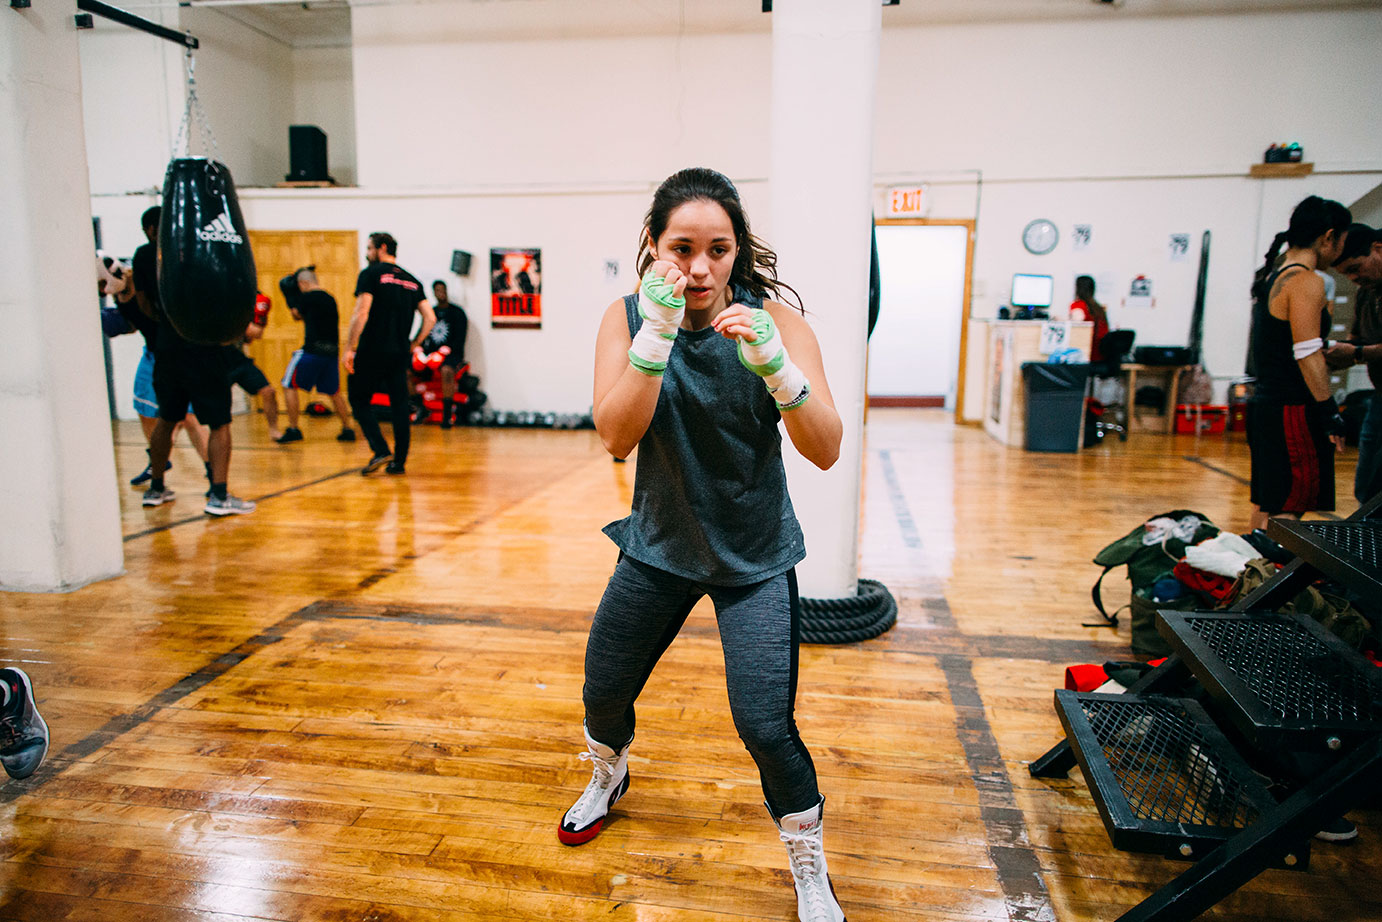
837 621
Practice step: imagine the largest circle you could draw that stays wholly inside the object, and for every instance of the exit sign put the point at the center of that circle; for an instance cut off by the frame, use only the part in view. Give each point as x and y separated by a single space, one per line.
904 200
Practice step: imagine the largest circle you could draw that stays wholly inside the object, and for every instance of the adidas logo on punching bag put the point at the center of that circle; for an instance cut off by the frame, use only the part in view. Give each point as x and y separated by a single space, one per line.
206 276
219 231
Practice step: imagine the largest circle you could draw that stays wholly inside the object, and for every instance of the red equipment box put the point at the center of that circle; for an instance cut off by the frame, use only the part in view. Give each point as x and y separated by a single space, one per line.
1201 418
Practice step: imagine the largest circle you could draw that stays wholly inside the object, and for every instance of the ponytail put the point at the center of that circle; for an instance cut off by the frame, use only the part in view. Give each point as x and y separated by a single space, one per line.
1259 279
1311 219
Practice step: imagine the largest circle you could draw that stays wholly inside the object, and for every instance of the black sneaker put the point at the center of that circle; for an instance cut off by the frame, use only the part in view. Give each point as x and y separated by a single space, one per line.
346 435
291 434
23 734
144 476
377 462
446 421
395 467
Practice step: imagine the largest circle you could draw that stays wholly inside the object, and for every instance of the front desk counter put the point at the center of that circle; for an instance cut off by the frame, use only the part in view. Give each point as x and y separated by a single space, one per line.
1009 344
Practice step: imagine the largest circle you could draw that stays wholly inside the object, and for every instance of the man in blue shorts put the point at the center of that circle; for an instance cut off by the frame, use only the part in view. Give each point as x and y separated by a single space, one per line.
316 365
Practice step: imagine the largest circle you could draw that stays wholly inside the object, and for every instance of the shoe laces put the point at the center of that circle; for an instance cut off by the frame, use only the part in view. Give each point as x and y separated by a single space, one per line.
601 776
10 732
807 856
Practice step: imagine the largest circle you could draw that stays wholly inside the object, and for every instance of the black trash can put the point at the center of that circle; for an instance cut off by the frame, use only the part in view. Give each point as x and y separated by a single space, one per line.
1055 405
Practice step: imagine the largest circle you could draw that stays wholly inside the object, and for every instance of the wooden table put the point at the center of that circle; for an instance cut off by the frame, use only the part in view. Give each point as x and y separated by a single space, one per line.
1130 372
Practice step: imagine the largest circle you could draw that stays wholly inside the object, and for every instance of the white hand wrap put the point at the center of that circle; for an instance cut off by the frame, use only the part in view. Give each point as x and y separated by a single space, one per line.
767 357
662 312
1307 347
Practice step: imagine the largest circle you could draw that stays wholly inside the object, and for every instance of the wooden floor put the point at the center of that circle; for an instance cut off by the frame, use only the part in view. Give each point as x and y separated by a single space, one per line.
362 702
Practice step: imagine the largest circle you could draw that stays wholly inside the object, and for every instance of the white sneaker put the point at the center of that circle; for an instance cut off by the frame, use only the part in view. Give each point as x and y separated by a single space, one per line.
802 834
609 779
231 505
154 497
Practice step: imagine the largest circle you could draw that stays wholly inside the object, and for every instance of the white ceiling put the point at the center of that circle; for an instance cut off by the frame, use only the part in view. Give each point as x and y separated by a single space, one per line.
327 22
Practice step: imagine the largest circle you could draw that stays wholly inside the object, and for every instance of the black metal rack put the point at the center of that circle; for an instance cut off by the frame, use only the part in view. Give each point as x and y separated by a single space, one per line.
1346 552
1282 681
1166 781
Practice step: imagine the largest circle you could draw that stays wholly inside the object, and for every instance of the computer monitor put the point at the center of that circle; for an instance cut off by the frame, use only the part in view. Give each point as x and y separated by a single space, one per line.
1032 290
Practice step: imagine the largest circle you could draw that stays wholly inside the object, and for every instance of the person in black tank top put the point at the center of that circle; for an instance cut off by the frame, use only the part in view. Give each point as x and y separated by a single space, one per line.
1293 424
696 370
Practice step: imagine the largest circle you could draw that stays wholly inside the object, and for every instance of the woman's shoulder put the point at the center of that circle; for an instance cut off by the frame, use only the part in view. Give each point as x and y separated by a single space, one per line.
781 312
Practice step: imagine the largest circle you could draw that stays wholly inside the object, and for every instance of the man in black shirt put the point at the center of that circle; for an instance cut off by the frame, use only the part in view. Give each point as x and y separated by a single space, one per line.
314 366
139 316
376 357
449 331
184 374
1361 262
117 280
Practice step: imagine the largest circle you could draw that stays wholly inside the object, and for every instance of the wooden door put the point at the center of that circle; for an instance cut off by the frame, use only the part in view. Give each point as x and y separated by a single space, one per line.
338 259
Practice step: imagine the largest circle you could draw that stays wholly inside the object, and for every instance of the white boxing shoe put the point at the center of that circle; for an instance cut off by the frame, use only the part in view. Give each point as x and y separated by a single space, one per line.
609 779
802 834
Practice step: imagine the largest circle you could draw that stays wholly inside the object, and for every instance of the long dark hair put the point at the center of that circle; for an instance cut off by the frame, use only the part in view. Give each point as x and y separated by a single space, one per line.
1084 291
755 264
1311 220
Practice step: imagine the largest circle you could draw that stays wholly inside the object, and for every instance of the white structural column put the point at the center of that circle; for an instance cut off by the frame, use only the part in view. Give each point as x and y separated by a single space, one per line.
825 70
57 466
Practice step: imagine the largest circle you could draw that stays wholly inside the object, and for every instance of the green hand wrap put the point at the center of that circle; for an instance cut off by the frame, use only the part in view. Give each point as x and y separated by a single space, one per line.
660 293
661 311
765 355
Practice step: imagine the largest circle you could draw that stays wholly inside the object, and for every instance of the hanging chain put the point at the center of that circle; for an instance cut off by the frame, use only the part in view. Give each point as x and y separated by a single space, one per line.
183 146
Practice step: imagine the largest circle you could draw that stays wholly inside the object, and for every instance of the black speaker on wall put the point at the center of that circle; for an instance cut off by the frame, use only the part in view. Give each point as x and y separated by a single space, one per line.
306 154
460 262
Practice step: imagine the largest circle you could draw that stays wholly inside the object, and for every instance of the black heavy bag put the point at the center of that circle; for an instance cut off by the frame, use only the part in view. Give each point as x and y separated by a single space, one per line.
206 276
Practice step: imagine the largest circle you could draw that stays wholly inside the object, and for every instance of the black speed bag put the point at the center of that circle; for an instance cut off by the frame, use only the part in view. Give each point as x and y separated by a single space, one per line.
206 275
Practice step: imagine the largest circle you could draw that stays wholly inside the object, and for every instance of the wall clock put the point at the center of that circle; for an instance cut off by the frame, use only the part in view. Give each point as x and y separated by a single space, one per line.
1040 237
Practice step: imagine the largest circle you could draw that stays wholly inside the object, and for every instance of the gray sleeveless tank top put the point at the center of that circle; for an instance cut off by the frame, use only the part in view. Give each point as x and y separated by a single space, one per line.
710 496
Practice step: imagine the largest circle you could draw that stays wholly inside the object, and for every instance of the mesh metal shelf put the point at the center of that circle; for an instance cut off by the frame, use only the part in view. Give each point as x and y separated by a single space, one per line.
1347 551
1283 680
1165 780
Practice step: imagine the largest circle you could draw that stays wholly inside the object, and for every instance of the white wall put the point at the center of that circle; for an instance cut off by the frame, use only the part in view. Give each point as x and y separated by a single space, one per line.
447 113
132 104
324 95
1141 127
245 83
1129 97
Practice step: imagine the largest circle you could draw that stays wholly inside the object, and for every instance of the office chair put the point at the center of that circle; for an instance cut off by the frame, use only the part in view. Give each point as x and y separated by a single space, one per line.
1115 346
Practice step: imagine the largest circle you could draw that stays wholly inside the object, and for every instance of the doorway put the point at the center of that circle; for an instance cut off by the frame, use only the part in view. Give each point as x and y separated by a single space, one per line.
338 260
914 355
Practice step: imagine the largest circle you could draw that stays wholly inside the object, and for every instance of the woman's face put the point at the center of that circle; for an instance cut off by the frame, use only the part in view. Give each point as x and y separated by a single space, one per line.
699 240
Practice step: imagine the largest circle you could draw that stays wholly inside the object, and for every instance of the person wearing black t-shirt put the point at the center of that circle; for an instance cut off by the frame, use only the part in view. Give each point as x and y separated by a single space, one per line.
242 370
449 331
136 304
376 356
185 374
314 366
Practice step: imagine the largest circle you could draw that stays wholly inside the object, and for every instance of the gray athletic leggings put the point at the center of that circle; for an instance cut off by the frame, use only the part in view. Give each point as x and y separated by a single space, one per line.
643 609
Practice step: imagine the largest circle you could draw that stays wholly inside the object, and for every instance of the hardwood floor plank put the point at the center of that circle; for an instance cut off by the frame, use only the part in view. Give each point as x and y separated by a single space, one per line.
364 700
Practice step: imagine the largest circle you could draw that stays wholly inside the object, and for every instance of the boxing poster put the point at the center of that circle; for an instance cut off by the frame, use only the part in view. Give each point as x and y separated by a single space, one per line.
515 284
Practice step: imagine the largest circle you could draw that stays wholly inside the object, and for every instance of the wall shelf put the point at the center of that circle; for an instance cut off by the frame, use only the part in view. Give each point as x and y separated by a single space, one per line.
1280 170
